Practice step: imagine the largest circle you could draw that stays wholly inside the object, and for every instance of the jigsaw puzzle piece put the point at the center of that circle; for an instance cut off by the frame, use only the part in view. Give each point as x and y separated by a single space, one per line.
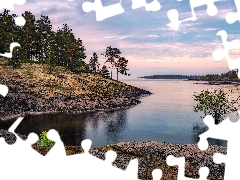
9 4
157 174
153 6
173 14
3 90
180 162
101 11
14 156
232 17
103 169
219 158
12 46
20 21
231 135
59 149
220 54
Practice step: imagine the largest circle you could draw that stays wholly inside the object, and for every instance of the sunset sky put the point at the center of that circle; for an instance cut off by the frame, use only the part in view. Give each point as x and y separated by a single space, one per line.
144 37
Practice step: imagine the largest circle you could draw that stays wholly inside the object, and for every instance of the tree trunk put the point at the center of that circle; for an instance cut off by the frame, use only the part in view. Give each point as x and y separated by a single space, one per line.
216 119
117 74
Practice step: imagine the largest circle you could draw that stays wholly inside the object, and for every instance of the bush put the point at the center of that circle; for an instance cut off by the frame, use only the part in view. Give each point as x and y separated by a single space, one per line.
44 141
216 103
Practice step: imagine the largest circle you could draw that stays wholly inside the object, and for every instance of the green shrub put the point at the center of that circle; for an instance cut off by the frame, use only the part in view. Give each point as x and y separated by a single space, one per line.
44 141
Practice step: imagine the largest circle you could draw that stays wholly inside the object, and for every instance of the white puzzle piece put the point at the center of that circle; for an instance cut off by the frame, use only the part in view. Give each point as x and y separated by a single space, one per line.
19 21
153 6
56 164
232 17
224 53
9 4
12 46
102 12
157 174
229 131
174 16
180 162
20 161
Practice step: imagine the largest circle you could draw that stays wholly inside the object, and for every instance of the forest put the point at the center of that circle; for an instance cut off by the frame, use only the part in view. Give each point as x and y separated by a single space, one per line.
40 44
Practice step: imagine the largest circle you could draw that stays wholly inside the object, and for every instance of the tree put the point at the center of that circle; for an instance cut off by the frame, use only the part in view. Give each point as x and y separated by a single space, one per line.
29 34
50 59
43 36
15 60
121 66
69 50
104 71
216 103
94 64
111 55
8 31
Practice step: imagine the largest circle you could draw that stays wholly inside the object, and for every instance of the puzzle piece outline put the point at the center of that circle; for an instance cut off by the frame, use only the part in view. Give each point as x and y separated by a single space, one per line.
104 12
233 148
180 162
173 14
224 53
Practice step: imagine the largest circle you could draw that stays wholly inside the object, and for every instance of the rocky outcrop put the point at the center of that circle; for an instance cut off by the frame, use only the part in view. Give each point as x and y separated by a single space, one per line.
151 155
97 94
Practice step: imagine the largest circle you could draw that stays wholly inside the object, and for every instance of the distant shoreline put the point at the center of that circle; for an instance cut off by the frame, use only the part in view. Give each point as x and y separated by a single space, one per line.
170 77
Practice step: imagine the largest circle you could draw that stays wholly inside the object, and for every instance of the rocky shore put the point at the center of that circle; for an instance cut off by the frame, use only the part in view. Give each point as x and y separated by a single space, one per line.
151 155
34 91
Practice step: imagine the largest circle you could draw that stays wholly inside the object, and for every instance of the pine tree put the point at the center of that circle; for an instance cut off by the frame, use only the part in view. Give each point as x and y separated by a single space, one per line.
29 35
50 59
43 36
105 72
7 29
94 64
111 55
121 66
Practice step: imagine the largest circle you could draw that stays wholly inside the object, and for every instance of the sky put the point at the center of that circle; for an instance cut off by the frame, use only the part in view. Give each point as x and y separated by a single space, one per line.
143 37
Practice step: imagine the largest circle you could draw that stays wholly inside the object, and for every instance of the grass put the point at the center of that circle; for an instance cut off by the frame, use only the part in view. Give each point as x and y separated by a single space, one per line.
35 77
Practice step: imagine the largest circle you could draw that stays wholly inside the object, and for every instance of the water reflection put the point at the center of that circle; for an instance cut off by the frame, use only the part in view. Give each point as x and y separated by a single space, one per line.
166 116
199 129
115 125
72 128
75 128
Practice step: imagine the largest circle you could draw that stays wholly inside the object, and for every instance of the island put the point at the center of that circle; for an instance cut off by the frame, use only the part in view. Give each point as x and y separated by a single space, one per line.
171 76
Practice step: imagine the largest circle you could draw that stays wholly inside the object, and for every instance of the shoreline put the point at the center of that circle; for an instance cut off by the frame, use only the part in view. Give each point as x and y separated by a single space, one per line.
68 113
152 155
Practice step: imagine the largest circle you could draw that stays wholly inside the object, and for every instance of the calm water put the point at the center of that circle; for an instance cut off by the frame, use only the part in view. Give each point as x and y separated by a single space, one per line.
167 116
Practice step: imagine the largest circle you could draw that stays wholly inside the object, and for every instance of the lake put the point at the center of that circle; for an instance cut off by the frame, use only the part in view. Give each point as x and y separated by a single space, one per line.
166 116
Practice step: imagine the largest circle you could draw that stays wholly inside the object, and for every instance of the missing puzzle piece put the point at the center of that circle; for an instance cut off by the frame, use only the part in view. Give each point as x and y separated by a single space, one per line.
224 53
101 11
56 164
180 162
153 6
12 46
19 21
103 169
173 14
157 174
9 4
229 131
232 17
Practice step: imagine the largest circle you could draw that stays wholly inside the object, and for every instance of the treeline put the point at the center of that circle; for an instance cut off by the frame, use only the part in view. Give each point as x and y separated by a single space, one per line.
39 43
231 75
170 77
